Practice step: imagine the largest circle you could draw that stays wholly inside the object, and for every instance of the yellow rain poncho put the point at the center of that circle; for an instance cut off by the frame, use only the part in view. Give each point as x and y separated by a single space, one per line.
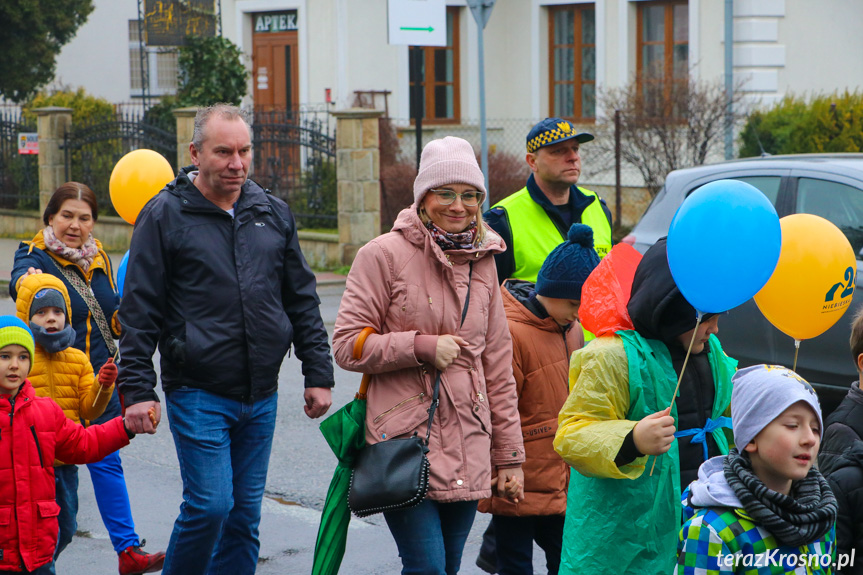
622 520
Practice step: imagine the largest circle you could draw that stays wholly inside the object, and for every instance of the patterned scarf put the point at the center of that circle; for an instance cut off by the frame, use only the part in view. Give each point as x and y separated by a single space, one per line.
82 256
453 241
799 518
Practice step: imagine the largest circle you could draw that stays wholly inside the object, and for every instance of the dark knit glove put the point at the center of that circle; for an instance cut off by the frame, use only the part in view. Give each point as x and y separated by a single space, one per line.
108 373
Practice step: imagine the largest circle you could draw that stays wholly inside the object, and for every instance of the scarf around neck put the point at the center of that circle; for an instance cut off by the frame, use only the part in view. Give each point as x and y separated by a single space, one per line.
53 342
82 256
799 518
453 241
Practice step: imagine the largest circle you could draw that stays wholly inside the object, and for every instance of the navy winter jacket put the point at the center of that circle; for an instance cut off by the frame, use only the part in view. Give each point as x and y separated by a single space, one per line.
223 297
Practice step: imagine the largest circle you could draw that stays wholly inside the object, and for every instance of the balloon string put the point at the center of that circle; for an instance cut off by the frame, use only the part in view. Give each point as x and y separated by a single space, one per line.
680 378
796 351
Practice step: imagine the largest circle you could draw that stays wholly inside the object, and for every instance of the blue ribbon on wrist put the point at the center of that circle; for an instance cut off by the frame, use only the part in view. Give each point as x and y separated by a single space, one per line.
699 434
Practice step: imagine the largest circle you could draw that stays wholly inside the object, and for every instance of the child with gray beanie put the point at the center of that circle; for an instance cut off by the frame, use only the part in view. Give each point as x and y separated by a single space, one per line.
764 507
543 322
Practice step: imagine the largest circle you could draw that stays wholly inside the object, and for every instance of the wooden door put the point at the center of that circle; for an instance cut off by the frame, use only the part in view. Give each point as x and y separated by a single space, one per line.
275 70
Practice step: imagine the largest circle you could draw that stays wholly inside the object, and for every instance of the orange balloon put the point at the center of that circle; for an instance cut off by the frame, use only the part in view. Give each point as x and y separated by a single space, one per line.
137 177
812 285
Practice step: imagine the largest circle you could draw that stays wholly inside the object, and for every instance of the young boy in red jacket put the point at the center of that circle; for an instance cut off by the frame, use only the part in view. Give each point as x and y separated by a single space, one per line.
33 433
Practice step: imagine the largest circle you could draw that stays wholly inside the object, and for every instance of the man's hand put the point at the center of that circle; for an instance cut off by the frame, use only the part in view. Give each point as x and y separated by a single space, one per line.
510 483
108 373
447 351
139 419
318 401
654 434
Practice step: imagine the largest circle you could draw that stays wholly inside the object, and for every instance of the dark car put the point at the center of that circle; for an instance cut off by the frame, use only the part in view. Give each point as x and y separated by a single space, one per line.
827 185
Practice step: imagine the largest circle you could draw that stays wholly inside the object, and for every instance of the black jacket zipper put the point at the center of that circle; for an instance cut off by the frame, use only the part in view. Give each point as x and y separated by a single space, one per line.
38 449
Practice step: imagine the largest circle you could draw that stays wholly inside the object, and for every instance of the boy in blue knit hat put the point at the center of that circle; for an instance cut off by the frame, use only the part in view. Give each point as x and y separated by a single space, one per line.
543 322
763 508
34 433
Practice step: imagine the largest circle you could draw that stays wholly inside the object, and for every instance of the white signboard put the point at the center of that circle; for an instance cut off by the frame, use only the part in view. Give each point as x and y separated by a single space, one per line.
417 22
28 143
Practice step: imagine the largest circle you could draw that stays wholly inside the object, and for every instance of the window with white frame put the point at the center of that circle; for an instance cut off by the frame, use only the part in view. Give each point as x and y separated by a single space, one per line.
161 66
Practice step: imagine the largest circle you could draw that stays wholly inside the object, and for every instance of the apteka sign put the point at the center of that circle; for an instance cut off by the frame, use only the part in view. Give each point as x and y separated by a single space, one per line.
276 21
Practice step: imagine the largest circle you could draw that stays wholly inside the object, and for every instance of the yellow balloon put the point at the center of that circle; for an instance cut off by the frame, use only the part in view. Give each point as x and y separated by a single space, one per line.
137 177
814 280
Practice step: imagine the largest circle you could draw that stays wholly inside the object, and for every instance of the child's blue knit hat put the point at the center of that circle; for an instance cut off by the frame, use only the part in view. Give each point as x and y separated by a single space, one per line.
566 268
15 331
760 394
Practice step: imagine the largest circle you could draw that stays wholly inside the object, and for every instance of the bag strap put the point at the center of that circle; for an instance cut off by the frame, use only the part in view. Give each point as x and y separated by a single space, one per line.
436 393
86 294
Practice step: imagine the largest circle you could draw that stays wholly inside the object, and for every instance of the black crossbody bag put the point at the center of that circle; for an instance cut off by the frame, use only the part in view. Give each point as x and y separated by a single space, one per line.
394 474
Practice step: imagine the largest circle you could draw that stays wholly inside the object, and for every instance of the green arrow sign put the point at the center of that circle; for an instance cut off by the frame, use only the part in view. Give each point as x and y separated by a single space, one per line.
429 29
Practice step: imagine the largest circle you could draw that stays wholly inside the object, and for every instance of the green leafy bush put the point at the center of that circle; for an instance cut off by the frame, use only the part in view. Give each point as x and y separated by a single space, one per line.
161 114
211 71
825 123
316 194
85 107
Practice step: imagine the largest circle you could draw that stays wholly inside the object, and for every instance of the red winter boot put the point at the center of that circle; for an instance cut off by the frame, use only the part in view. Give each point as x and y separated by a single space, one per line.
135 561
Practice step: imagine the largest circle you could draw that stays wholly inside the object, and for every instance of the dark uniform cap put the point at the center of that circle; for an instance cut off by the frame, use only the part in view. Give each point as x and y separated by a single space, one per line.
551 131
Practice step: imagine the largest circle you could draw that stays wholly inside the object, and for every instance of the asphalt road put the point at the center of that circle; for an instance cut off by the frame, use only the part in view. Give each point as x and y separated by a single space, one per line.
301 466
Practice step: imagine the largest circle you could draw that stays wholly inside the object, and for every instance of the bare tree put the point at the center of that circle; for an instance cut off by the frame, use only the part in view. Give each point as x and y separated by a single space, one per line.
667 125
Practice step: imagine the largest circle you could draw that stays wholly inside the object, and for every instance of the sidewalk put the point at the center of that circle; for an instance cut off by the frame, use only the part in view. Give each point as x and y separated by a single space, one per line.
9 245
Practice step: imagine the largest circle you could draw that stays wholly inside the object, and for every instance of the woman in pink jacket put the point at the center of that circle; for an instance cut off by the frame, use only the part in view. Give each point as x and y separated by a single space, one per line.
410 285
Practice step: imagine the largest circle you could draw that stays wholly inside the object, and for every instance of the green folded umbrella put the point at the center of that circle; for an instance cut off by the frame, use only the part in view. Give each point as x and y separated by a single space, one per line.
345 432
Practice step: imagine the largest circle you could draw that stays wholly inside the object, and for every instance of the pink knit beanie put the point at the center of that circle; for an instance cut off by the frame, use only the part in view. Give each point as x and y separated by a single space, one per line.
449 160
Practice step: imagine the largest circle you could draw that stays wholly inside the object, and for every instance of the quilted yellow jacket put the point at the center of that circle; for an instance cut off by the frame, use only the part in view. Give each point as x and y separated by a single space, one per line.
65 376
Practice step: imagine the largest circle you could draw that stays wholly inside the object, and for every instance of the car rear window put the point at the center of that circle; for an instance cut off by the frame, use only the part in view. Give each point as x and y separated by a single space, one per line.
840 203
768 185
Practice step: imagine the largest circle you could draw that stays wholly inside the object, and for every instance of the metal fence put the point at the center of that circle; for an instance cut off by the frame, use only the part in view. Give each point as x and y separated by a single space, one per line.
507 137
19 173
93 148
295 158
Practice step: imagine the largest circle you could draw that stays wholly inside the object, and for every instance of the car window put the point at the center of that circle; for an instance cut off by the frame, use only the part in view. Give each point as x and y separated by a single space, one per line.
769 185
839 203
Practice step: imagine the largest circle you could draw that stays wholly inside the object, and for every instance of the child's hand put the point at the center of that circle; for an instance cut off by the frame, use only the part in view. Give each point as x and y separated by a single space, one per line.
653 434
108 373
510 483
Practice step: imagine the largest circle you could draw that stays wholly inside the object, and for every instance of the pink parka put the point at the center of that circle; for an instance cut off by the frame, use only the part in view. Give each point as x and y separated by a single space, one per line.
410 291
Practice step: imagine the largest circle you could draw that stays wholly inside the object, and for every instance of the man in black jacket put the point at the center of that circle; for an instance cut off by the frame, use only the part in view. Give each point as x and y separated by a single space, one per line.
216 279
841 459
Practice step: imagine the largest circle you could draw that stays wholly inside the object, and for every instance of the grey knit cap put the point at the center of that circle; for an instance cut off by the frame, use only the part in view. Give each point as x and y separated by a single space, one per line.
48 297
761 393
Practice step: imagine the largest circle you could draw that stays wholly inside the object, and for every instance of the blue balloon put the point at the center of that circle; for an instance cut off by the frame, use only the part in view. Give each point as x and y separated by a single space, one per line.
723 245
121 273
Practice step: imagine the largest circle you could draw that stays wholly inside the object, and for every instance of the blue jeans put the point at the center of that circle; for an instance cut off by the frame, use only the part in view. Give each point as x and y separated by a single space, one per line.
223 447
515 537
431 536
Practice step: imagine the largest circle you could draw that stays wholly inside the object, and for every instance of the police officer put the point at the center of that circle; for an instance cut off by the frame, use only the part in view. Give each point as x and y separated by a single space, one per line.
536 219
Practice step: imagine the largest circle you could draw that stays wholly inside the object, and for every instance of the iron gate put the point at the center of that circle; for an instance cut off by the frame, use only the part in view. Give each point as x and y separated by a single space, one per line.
19 173
294 157
92 150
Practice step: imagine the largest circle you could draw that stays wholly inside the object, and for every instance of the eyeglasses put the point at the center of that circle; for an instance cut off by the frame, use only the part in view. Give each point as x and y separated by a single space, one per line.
470 198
